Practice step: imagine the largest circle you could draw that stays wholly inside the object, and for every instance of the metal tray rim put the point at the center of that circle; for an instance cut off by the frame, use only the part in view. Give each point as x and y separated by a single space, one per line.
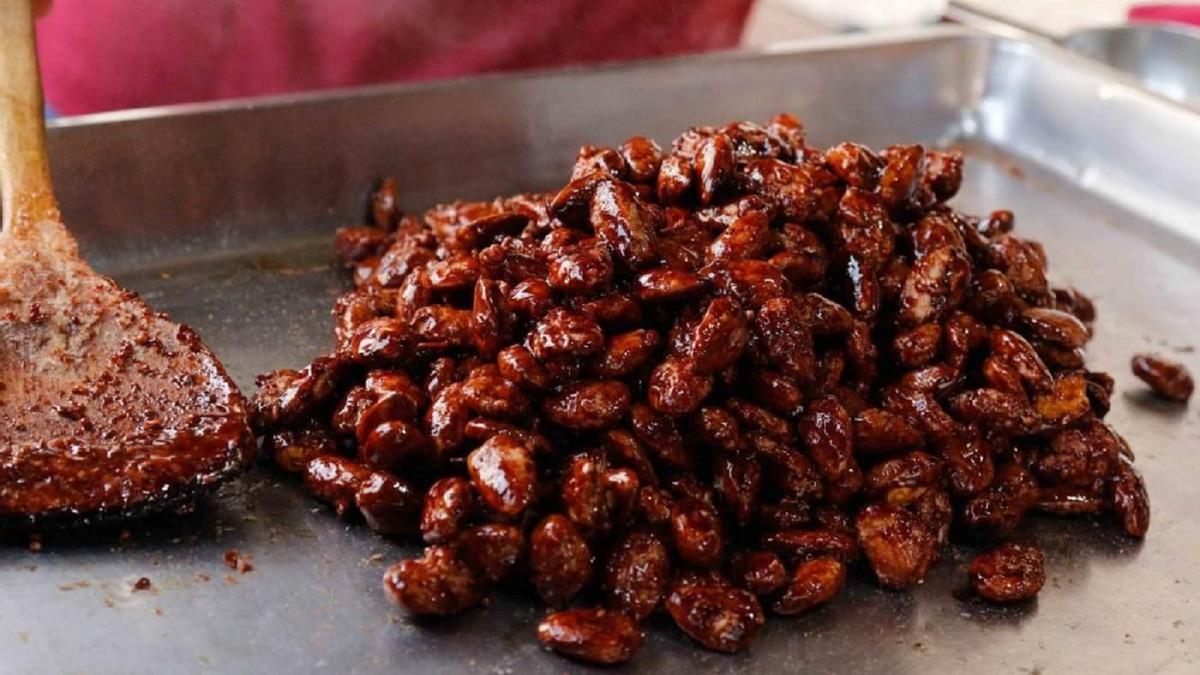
841 42
815 44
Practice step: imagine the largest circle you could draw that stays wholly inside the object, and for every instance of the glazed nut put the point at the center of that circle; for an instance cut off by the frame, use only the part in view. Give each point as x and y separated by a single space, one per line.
1009 573
591 635
1168 379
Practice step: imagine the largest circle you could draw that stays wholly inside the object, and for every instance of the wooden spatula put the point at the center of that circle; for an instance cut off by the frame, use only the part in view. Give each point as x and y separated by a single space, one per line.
107 408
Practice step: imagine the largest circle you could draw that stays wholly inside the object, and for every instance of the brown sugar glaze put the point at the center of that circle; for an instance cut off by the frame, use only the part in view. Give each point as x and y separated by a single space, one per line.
105 405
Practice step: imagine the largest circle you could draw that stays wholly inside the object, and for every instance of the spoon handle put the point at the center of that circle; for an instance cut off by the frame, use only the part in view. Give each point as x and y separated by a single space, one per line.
28 195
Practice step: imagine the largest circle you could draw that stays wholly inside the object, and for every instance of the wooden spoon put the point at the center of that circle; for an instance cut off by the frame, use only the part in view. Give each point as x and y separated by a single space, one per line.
107 409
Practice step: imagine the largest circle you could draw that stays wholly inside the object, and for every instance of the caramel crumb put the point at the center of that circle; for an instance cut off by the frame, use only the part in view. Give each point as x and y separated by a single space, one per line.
236 561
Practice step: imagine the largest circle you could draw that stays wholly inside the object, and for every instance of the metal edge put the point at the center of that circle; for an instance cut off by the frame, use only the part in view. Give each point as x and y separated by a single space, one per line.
971 24
1129 84
992 23
1164 26
841 42
1008 30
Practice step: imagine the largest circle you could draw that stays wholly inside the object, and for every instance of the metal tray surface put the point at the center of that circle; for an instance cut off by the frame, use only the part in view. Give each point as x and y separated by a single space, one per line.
1164 57
1159 56
222 216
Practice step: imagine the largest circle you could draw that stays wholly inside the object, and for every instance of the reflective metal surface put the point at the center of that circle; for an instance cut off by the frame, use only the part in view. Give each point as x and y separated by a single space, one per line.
1162 57
1165 58
223 215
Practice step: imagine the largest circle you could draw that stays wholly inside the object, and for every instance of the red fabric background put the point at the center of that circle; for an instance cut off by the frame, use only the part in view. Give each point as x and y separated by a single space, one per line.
110 54
1185 14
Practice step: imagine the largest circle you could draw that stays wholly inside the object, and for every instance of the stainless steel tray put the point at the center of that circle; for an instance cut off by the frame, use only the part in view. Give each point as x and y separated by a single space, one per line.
222 215
1163 57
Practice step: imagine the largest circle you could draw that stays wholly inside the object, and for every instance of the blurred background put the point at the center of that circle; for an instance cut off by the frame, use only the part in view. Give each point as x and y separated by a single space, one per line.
100 55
